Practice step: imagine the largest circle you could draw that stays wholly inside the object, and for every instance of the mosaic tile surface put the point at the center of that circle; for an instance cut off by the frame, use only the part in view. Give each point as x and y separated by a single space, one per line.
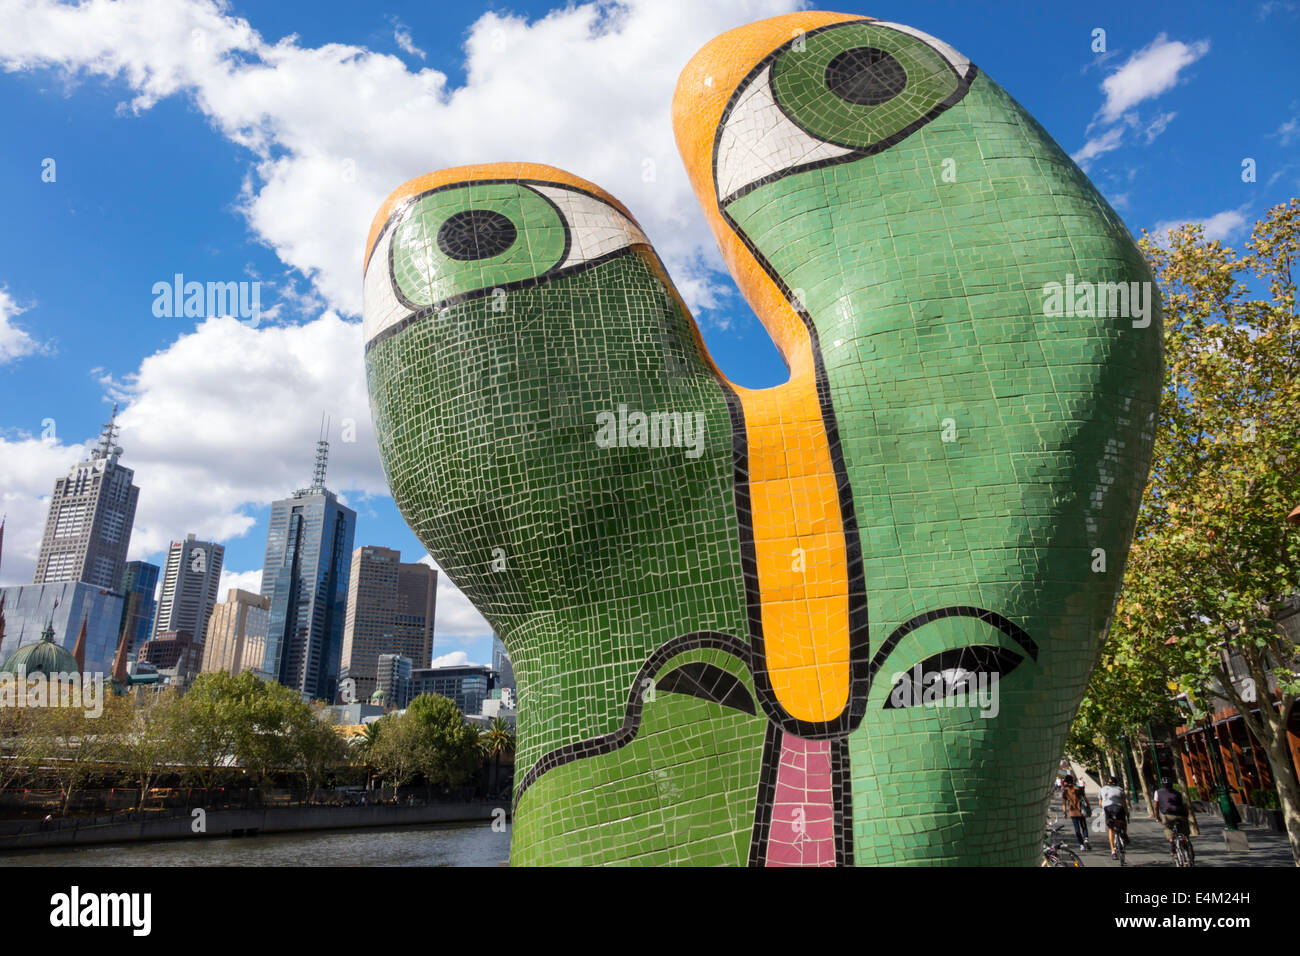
845 620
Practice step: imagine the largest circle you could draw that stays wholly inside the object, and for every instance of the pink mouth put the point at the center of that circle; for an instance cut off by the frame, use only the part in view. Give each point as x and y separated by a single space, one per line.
802 832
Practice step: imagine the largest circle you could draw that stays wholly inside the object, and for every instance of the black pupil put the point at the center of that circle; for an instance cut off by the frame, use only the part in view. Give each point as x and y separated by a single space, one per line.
865 76
476 234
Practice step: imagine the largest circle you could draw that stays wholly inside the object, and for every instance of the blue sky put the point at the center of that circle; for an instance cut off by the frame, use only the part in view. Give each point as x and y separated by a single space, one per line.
253 141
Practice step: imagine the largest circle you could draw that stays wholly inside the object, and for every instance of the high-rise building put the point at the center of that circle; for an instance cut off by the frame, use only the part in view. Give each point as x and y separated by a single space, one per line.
139 584
417 599
501 664
189 590
175 655
305 574
393 680
236 638
30 608
466 684
390 611
88 525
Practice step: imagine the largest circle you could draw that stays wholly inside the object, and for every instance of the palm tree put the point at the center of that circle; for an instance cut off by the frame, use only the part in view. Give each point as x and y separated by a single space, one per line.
365 745
498 740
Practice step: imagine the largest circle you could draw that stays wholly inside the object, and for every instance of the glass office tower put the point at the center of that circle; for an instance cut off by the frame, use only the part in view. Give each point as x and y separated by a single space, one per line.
305 574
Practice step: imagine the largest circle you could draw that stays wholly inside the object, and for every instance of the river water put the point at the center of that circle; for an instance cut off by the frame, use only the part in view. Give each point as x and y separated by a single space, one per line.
460 844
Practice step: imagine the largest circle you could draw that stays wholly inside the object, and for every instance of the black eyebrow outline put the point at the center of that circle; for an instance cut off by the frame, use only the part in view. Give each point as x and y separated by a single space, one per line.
964 82
419 313
1008 627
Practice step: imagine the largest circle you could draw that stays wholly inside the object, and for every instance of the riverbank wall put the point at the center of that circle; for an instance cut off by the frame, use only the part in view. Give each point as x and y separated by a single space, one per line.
195 824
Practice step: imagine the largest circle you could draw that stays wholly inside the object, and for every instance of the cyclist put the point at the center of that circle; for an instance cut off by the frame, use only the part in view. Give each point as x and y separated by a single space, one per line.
1073 802
1115 807
1171 811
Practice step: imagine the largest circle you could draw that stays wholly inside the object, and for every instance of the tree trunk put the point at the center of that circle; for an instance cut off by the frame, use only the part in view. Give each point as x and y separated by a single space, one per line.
1279 760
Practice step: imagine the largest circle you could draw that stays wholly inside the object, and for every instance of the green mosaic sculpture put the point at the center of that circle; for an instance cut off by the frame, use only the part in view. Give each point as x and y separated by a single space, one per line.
844 620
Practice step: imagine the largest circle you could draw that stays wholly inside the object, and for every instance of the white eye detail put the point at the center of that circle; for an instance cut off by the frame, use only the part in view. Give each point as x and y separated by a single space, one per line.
760 141
959 63
381 309
596 228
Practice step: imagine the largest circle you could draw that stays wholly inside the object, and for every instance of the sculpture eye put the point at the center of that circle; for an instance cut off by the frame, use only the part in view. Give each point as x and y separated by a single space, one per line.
835 93
472 238
956 673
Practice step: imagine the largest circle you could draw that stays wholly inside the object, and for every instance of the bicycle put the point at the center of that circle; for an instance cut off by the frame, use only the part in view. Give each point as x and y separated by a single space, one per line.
1121 843
1181 844
1057 854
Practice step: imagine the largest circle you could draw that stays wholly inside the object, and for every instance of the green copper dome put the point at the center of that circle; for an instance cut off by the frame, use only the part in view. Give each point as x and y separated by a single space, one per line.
43 656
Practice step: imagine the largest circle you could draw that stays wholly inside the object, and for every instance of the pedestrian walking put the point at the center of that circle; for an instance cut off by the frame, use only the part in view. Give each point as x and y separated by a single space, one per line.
1075 805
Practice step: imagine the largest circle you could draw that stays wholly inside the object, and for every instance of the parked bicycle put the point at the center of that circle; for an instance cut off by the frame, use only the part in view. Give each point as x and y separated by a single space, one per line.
1055 852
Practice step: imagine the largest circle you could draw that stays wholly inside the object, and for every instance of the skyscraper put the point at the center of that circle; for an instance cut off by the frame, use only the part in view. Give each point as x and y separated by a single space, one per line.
305 574
88 525
390 611
139 583
189 591
236 637
501 664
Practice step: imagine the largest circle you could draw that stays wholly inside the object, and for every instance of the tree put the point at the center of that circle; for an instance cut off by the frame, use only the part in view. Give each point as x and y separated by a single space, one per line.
366 746
319 747
499 741
206 726
395 750
149 738
431 740
1214 563
71 745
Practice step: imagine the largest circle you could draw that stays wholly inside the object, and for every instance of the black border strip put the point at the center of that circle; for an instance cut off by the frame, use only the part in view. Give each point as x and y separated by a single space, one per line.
607 743
766 802
842 801
1005 625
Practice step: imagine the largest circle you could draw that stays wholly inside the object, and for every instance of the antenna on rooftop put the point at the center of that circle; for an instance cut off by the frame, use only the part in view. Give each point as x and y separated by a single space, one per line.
322 456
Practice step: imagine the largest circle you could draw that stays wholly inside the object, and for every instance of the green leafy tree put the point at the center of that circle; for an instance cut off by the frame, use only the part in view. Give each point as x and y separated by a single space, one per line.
442 747
319 747
498 742
150 738
1215 564
206 726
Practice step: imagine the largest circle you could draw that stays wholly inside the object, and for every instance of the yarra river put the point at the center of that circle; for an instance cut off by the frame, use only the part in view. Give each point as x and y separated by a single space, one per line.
458 844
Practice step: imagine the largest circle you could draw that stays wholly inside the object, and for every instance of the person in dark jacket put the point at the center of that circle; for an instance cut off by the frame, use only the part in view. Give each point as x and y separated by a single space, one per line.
1075 805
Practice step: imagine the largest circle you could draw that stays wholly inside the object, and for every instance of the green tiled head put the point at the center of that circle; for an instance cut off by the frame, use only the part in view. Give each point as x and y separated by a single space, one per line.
843 620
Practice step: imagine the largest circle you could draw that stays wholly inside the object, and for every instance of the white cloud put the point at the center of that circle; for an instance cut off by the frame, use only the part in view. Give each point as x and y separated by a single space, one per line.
402 37
1148 73
1107 142
1158 126
250 581
455 619
15 342
333 129
1223 226
224 418
454 659
29 467
1288 131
